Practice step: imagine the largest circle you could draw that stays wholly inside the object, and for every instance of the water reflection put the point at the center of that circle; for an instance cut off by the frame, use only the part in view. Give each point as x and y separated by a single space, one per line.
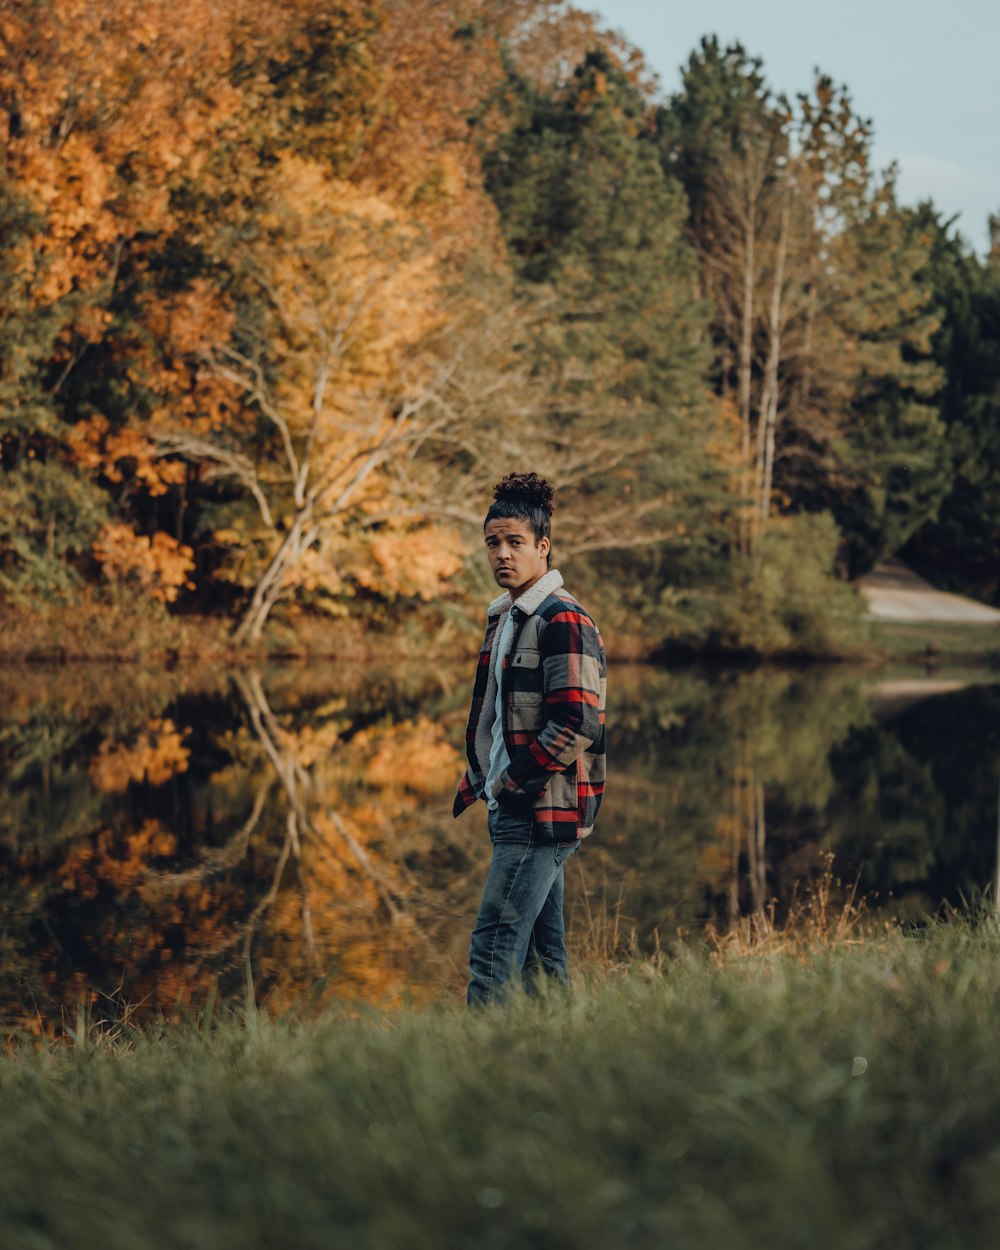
170 838
743 785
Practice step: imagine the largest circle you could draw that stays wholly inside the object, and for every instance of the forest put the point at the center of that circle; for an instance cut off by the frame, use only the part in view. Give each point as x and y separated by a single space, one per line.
287 286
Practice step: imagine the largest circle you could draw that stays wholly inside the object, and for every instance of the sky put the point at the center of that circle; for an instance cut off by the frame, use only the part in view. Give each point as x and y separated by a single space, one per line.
926 72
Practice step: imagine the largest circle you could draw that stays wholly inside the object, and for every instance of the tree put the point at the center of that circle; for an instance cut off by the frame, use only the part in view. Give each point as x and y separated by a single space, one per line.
139 136
594 226
820 320
958 544
349 361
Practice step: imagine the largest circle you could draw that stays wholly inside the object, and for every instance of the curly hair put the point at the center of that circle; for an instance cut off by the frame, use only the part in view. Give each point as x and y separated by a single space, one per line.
524 497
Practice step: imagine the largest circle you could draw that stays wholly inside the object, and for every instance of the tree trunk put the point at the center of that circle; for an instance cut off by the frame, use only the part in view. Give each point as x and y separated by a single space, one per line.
269 588
771 393
745 368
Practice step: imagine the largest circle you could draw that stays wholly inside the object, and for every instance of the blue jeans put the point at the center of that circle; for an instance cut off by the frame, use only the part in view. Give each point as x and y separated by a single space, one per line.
520 929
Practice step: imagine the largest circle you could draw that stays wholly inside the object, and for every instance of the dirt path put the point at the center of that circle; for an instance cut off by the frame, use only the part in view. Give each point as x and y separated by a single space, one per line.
896 593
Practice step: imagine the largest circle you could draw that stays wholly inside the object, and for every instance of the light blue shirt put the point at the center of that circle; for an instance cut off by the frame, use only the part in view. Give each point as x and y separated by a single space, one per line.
499 759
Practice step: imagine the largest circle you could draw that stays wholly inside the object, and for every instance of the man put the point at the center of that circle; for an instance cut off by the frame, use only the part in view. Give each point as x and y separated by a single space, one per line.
535 743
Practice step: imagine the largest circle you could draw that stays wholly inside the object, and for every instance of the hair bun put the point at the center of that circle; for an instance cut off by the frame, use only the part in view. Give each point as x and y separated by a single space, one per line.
526 488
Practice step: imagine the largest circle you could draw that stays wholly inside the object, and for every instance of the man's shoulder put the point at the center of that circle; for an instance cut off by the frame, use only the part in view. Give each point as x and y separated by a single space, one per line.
561 606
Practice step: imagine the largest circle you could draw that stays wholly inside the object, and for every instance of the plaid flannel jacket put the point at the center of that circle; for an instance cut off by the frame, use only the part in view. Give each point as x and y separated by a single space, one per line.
554 680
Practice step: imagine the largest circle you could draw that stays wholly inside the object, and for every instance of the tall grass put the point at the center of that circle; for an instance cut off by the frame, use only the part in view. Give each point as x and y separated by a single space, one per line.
844 1095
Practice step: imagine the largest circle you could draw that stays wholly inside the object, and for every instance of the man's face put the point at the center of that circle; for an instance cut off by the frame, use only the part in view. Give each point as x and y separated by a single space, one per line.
517 561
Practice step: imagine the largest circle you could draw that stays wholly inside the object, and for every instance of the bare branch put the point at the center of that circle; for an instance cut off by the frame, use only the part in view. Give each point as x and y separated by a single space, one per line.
224 463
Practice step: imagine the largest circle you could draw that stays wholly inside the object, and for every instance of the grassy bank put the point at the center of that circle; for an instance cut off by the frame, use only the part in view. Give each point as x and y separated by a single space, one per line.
135 632
843 1098
932 643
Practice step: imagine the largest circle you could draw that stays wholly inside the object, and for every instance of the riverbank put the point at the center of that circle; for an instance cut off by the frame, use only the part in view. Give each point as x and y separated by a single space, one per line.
839 1095
129 629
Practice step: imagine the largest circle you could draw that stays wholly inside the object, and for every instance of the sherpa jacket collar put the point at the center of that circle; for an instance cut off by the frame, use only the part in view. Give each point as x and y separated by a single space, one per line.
532 599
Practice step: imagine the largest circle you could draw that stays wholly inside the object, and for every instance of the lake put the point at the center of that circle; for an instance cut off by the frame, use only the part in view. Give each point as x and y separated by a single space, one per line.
174 839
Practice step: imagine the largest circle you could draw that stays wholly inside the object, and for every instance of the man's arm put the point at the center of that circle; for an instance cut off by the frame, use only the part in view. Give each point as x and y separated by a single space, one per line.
572 663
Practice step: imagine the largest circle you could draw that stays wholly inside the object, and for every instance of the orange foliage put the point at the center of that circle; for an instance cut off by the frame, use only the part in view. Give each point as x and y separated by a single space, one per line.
121 862
413 756
186 162
157 754
98 448
414 562
348 905
353 285
108 107
159 565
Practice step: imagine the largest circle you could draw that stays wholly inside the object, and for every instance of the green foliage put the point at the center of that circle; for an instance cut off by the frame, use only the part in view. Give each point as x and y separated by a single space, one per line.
769 1102
787 600
887 468
49 517
27 332
591 218
725 109
958 546
821 321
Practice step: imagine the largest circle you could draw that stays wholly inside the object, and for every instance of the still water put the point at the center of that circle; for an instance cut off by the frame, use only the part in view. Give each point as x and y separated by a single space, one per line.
172 839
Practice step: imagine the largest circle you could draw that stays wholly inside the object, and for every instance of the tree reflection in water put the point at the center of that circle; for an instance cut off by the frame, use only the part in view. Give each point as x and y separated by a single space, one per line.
732 790
296 839
169 839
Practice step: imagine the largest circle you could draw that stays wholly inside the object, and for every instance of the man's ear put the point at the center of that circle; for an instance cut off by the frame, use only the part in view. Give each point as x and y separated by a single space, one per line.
544 546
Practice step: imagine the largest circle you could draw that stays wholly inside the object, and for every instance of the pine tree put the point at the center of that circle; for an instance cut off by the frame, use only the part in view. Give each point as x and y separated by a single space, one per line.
595 227
958 546
822 325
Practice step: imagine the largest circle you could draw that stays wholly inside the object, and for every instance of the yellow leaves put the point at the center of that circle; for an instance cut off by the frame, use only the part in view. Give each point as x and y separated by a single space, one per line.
414 563
191 319
156 755
310 196
228 538
412 755
355 285
158 565
310 743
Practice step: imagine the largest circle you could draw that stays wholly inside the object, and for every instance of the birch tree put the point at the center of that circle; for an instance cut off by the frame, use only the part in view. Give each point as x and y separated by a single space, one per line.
341 361
784 209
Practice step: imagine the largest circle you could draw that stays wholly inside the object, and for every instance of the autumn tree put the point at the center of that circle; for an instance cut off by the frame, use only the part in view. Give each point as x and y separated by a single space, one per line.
137 137
338 364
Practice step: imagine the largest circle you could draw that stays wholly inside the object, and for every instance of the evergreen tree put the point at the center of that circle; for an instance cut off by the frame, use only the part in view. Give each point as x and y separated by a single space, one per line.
958 547
594 224
822 327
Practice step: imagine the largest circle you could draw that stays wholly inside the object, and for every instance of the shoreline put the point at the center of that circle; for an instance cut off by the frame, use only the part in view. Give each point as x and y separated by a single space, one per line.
129 632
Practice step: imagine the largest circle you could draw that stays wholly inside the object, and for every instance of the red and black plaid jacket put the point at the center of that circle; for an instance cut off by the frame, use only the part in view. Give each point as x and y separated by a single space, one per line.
554 684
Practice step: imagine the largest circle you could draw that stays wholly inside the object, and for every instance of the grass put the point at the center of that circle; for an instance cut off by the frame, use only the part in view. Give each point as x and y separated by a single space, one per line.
931 644
838 1094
